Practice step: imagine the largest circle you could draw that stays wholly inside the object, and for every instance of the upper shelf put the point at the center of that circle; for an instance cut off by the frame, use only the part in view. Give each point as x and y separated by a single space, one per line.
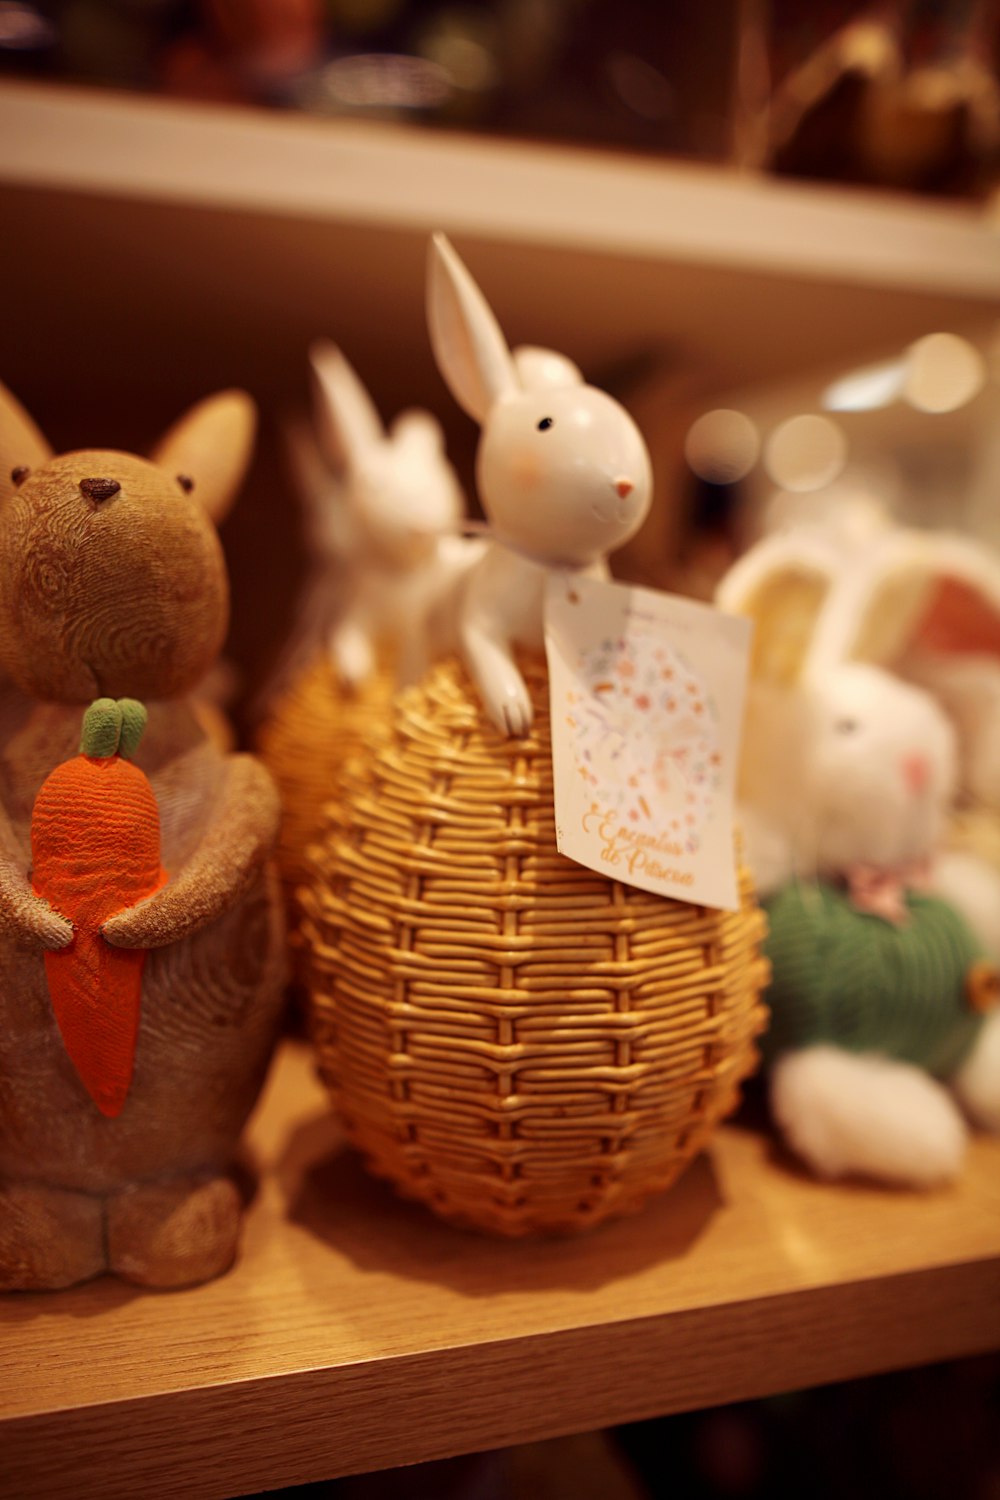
569 198
179 245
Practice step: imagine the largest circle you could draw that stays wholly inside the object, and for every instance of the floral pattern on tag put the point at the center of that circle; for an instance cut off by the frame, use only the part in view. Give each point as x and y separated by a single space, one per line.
645 724
646 697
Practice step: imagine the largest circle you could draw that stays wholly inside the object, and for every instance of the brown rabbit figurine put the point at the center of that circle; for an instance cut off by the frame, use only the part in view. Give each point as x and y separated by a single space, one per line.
112 583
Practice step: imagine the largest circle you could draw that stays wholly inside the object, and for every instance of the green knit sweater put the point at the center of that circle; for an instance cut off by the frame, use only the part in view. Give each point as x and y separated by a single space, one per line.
855 980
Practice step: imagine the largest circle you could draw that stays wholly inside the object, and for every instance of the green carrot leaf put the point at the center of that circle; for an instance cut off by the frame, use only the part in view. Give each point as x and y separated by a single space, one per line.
102 727
133 724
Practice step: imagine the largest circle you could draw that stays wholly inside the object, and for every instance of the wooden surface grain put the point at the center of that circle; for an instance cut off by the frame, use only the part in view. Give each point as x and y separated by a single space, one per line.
358 1332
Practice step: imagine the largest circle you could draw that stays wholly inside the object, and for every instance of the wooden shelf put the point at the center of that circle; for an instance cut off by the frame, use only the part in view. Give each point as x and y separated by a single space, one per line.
260 230
357 1332
405 178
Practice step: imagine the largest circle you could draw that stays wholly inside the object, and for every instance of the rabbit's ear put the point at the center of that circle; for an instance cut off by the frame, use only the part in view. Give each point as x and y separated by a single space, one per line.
937 594
784 584
347 421
210 445
470 350
22 445
544 369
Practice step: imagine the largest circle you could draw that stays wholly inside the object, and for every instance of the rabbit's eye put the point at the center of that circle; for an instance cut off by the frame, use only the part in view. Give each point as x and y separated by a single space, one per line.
20 474
546 423
847 726
186 483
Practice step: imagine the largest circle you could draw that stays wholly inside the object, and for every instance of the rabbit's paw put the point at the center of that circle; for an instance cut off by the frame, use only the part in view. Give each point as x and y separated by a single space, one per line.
141 925
352 656
49 1238
47 929
977 1082
176 1233
508 703
31 921
845 1114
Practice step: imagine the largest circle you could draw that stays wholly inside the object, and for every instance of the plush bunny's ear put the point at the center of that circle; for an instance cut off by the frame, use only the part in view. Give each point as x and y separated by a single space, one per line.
930 611
209 447
22 446
544 369
928 593
470 350
348 424
784 584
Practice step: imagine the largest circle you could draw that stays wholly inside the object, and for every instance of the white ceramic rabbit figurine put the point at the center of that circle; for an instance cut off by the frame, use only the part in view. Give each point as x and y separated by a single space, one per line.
563 475
390 506
867 1070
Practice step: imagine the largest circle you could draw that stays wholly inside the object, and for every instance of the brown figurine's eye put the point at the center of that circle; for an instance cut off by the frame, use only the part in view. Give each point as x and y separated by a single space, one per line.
186 483
20 474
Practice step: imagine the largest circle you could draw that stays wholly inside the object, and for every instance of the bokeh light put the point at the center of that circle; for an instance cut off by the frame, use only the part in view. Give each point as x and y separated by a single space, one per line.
805 453
722 446
866 390
943 373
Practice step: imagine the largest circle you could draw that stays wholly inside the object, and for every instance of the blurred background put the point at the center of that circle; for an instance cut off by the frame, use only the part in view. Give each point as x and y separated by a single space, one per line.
901 92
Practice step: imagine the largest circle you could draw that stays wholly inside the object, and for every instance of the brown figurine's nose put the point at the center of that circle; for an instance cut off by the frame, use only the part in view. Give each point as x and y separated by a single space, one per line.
99 489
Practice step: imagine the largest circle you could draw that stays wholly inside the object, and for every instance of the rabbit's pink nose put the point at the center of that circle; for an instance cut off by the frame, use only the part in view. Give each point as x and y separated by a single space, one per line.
916 772
624 488
99 489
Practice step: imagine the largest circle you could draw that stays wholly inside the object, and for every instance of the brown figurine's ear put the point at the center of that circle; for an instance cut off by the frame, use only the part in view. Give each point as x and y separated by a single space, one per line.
208 449
22 447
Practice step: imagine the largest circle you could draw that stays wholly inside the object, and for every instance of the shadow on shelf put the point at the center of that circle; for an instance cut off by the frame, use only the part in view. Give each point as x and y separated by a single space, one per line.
331 1195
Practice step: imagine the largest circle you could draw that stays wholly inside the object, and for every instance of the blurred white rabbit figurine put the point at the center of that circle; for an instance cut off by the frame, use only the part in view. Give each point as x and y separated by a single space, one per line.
396 513
878 984
382 511
563 475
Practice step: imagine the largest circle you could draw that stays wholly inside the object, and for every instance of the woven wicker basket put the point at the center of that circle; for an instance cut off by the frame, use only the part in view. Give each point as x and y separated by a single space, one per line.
313 730
520 1043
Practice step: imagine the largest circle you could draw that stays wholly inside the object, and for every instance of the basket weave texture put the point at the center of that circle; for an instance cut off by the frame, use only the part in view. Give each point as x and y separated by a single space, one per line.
518 1042
315 727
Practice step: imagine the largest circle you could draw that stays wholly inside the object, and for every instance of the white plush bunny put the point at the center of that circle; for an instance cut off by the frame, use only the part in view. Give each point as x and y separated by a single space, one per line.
925 605
875 1035
388 504
563 474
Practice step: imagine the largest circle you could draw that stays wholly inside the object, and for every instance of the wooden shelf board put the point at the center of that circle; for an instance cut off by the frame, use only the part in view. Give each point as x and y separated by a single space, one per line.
563 197
358 1332
174 246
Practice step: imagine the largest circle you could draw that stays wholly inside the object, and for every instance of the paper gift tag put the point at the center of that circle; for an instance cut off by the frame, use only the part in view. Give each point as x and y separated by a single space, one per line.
647 706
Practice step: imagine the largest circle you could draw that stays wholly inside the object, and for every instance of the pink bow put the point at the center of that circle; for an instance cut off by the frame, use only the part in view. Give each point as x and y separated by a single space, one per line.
882 893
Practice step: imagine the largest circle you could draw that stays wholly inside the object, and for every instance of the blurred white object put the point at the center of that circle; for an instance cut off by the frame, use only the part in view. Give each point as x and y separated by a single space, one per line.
563 473
387 503
860 1113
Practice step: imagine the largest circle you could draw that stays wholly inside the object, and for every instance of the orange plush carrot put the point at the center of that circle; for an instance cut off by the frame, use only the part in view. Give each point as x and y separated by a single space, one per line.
95 841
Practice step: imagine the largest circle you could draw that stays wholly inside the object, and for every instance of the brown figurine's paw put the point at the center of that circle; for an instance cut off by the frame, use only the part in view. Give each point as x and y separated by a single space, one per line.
48 1238
175 1233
